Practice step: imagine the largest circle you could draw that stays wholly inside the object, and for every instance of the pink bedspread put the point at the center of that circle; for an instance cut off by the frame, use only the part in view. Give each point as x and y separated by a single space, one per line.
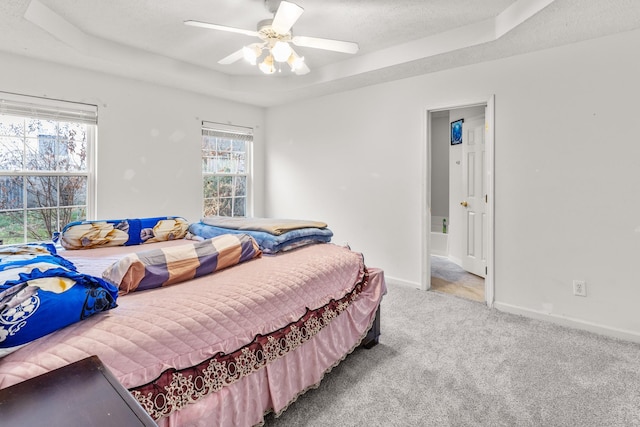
181 326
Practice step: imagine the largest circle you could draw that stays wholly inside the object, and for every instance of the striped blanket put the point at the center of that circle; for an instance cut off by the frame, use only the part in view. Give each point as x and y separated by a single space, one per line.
170 265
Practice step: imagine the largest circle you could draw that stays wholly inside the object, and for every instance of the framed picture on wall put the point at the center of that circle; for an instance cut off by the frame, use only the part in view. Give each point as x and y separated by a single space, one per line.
456 132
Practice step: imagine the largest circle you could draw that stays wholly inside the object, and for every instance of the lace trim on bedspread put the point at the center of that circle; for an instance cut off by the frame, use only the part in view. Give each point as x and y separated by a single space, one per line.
295 398
174 389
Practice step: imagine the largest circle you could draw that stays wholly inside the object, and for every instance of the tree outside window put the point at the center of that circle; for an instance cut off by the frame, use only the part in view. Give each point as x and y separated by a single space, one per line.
43 176
225 171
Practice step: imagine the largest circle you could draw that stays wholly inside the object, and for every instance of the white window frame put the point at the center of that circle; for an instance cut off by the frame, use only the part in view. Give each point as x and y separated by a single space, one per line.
31 107
243 133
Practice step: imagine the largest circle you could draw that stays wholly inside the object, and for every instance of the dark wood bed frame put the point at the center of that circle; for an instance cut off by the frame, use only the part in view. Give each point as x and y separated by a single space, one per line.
81 393
373 336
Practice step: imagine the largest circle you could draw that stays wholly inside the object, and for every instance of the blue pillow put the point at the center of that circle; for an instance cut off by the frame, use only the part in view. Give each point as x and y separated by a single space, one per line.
30 253
121 232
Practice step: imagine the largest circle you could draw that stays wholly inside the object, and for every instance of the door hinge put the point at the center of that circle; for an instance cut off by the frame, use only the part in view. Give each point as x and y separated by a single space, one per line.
486 270
486 198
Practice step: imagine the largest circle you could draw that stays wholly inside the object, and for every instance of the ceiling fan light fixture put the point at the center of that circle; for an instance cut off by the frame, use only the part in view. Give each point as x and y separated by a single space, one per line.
295 61
277 40
251 53
281 51
267 66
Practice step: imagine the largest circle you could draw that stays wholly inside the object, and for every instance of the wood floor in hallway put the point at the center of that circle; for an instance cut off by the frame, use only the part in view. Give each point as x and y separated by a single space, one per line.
448 277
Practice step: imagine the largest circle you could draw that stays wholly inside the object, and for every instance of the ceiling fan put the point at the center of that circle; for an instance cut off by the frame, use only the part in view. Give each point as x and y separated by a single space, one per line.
276 39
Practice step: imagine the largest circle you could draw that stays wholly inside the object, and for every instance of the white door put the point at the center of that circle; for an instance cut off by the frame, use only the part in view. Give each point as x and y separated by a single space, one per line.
474 191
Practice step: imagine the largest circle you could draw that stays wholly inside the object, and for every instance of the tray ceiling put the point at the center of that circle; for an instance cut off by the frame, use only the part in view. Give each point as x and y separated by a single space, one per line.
147 39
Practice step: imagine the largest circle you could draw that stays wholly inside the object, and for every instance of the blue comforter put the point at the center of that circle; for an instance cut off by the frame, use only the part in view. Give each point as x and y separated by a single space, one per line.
268 243
41 292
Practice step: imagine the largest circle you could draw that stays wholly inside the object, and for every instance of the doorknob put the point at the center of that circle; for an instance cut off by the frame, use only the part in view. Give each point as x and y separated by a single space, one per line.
465 204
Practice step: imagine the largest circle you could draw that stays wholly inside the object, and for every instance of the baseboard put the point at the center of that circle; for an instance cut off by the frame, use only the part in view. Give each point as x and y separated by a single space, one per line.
396 281
570 322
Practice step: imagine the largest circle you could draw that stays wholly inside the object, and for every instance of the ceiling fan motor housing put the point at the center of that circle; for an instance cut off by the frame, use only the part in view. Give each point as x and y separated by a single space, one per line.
267 33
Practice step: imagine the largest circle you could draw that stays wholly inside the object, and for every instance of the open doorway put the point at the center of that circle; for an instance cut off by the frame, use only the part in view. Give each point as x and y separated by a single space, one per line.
458 238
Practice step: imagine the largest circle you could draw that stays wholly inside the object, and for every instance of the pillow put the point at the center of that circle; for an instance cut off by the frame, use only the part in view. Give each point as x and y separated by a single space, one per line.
44 293
167 266
121 232
23 259
31 253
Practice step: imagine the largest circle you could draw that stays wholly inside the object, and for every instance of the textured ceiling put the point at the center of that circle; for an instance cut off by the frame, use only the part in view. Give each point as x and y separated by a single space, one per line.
147 40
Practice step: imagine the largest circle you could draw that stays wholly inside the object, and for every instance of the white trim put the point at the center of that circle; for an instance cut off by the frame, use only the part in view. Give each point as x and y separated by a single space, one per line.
425 194
570 322
401 282
489 281
92 169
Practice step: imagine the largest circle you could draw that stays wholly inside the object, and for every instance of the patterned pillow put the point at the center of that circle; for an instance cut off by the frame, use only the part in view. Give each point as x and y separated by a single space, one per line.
166 266
121 232
41 292
30 253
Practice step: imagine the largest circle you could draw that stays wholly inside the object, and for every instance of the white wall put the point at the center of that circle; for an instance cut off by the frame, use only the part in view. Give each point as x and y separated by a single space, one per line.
148 136
566 170
440 143
567 163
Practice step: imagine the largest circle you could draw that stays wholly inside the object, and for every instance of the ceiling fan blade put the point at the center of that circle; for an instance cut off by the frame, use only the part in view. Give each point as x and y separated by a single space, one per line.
326 44
286 15
235 56
221 28
302 70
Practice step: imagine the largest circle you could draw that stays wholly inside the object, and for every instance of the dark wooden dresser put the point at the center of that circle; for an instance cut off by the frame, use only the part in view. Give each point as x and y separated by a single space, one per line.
84 393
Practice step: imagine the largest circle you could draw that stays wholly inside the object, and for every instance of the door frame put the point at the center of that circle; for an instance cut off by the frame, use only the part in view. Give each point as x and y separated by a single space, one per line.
426 193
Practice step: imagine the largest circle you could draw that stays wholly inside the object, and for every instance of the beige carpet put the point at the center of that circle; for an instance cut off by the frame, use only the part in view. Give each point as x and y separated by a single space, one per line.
448 277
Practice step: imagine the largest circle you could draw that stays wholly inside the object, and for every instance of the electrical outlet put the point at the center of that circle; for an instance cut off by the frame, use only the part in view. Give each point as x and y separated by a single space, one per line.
580 288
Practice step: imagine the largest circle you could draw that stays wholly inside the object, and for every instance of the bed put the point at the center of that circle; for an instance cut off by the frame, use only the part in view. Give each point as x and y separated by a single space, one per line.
225 348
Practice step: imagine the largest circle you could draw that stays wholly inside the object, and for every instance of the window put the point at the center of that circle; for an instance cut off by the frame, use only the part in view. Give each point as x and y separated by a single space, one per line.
226 169
45 166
